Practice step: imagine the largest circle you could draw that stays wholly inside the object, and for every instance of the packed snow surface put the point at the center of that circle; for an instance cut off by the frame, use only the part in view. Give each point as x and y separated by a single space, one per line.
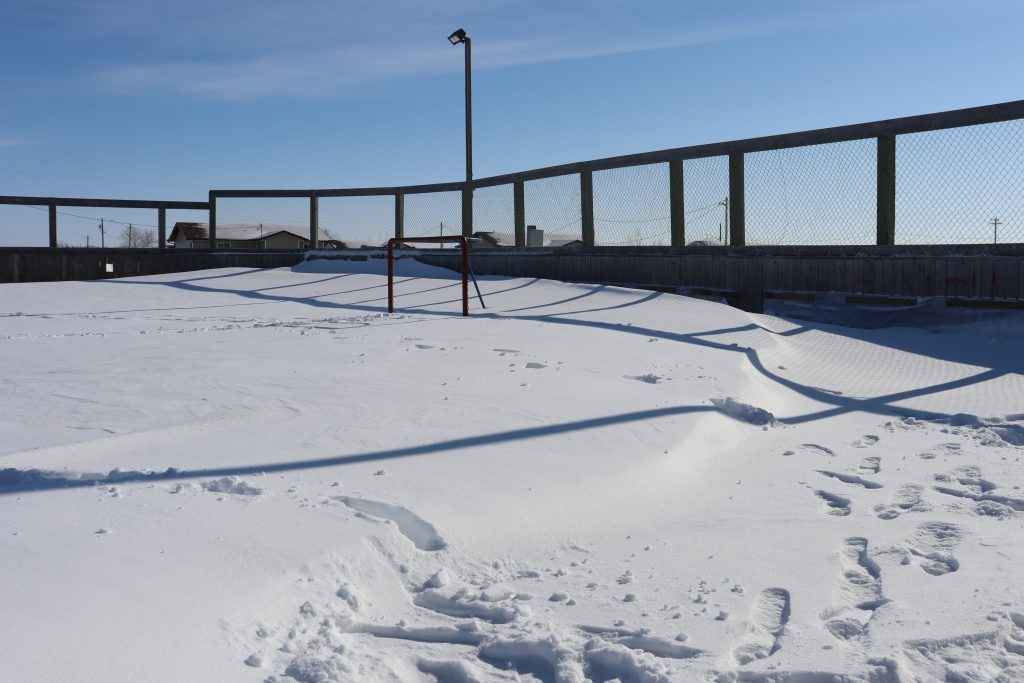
260 475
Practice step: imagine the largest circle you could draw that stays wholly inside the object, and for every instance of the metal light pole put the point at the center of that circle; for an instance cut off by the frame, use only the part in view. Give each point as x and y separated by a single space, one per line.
456 38
467 193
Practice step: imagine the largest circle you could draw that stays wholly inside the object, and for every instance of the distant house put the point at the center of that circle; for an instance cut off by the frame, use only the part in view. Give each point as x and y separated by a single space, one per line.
494 238
237 236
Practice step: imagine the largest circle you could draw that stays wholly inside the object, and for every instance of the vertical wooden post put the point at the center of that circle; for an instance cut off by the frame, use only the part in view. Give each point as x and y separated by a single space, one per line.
587 207
314 222
676 202
886 190
399 215
737 211
213 221
519 200
467 211
53 226
161 222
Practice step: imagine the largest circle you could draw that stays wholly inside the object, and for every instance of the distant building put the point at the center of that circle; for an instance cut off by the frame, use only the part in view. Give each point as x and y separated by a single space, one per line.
236 236
494 238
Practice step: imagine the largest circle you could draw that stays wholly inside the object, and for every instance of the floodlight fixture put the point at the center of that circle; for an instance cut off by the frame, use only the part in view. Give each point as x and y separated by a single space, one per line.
458 37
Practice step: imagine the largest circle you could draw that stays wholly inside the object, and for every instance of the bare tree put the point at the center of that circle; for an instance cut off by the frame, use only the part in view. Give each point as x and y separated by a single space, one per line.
137 238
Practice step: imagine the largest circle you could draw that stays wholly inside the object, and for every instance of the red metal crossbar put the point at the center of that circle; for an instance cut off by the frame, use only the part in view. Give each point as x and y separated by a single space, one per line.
406 240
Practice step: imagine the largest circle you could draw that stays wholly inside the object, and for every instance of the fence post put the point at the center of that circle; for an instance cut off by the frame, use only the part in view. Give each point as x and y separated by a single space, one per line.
886 189
213 221
467 210
161 223
519 201
399 215
314 222
53 225
676 202
587 207
737 211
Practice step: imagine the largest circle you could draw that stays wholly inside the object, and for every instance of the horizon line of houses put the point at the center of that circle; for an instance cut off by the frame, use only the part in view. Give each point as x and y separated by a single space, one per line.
191 235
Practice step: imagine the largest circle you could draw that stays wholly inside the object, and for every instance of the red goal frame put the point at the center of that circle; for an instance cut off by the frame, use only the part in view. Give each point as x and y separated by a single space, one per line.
405 240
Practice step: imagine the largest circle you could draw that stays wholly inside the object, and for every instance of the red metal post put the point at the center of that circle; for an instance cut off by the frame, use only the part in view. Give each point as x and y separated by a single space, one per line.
391 276
465 276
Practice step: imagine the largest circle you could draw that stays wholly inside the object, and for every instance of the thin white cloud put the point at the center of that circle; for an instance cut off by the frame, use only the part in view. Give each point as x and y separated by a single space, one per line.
16 141
250 49
333 71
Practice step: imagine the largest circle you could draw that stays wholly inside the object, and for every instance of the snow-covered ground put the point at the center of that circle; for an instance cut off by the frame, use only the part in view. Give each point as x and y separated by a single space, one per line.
259 475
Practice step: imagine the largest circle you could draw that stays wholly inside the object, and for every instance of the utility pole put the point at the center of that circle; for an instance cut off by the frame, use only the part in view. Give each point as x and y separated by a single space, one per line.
442 229
130 245
103 236
723 237
995 229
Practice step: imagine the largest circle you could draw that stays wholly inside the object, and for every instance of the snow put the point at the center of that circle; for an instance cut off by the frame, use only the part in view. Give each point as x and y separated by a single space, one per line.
582 483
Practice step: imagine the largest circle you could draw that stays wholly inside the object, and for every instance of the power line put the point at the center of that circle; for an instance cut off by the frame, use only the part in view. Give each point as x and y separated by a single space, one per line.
92 218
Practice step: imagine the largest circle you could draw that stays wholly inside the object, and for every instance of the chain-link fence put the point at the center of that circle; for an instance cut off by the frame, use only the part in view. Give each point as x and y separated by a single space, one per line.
433 213
494 215
260 223
819 194
952 184
631 206
356 222
949 178
552 206
706 200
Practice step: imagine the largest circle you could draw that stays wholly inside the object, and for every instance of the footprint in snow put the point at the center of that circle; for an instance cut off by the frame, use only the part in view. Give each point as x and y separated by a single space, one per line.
907 499
931 547
764 626
834 504
859 590
422 533
870 465
966 482
851 479
535 366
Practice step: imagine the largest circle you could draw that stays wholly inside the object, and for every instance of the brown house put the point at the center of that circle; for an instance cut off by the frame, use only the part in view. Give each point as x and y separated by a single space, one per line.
236 236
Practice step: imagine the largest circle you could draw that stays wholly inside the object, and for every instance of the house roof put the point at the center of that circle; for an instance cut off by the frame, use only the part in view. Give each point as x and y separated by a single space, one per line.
236 231
508 239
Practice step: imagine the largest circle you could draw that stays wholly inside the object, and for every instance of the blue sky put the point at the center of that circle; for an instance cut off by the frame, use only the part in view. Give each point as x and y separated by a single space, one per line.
150 99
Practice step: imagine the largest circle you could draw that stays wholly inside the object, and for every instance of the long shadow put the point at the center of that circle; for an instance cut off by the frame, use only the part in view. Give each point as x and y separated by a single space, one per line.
248 271
316 301
840 404
304 284
15 480
591 292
